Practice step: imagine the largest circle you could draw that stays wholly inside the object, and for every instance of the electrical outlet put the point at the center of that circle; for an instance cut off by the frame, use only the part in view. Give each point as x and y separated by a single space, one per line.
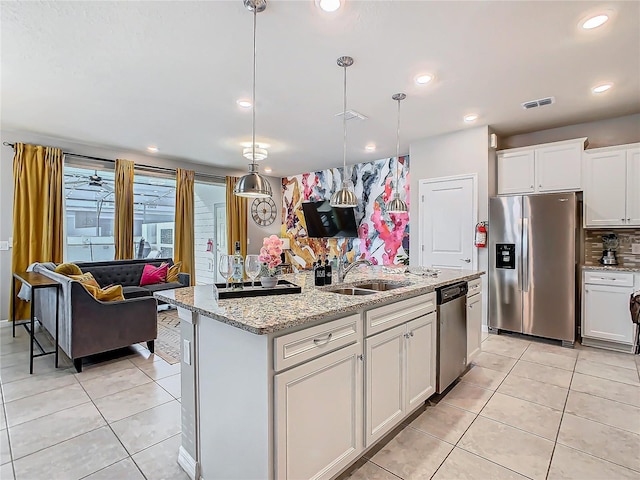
635 248
186 351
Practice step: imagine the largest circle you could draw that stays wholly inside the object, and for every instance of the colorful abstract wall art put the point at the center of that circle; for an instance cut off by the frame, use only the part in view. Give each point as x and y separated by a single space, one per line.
383 238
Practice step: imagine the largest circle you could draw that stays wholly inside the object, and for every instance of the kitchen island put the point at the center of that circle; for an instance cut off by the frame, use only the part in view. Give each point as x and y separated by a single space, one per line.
301 385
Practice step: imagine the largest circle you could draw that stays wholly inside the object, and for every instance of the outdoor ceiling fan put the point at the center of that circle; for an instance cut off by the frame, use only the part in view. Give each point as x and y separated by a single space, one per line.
74 181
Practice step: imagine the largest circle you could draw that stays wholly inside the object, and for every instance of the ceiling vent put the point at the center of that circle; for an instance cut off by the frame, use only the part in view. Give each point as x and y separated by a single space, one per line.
538 103
352 115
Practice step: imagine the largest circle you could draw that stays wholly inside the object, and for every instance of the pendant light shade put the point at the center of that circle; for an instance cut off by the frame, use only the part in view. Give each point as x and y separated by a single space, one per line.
253 184
344 198
396 204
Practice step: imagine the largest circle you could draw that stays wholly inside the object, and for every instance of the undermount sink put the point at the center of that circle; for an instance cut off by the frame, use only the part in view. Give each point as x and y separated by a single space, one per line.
368 288
351 291
380 286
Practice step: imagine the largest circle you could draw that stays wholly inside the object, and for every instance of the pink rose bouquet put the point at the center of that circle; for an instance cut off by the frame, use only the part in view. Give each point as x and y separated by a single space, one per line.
270 255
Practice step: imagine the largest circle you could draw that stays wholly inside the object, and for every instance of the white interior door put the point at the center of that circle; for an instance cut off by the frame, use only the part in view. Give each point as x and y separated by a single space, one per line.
448 215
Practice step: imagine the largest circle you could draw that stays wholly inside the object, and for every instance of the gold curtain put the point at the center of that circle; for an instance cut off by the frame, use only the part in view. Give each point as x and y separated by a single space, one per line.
123 223
37 210
236 218
185 236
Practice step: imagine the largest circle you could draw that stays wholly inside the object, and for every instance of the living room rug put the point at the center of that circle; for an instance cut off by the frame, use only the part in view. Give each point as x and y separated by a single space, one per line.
167 344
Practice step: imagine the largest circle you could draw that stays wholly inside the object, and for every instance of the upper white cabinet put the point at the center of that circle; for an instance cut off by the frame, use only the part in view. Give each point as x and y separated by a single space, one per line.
551 167
612 186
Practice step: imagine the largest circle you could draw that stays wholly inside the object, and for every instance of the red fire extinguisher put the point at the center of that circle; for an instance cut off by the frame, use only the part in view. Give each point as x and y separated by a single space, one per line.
481 235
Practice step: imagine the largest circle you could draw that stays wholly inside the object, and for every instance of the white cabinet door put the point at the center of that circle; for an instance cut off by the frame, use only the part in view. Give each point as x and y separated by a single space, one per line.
318 418
421 365
606 313
633 187
516 173
605 189
474 326
385 391
559 167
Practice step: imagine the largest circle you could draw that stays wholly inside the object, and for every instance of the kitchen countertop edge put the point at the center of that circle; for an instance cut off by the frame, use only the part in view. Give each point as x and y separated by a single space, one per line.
611 268
359 303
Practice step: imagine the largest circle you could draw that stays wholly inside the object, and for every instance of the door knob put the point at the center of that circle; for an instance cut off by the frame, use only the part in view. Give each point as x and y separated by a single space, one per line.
467 260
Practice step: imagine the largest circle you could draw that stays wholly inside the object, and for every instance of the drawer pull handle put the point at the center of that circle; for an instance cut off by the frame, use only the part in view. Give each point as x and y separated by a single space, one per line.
323 342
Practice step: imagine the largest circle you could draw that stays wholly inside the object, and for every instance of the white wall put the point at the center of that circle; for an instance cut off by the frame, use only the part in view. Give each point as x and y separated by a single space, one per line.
457 153
601 133
255 232
6 188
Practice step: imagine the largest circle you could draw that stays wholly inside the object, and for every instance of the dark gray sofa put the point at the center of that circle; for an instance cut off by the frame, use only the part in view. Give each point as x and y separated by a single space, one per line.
88 326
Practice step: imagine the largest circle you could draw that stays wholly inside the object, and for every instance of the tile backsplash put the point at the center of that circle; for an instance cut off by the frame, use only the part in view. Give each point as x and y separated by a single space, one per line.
627 236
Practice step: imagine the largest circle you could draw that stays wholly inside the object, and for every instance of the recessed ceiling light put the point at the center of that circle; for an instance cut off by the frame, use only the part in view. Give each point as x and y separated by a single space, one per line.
472 117
244 103
267 169
424 78
329 5
595 22
602 88
371 147
152 149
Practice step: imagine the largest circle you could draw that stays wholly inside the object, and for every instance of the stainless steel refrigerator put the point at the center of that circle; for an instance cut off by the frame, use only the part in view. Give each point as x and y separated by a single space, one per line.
532 262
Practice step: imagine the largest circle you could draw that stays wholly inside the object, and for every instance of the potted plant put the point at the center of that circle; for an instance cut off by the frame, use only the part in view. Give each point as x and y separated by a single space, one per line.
270 258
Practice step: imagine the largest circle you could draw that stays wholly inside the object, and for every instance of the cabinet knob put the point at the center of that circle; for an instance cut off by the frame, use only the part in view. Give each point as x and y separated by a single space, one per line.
361 357
628 219
531 186
540 186
411 333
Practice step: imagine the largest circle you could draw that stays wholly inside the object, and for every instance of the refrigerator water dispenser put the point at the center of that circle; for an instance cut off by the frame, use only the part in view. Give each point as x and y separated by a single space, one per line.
506 255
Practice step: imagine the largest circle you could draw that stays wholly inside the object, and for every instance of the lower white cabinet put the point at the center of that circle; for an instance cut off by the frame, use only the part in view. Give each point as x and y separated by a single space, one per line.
318 416
606 321
400 373
606 313
474 326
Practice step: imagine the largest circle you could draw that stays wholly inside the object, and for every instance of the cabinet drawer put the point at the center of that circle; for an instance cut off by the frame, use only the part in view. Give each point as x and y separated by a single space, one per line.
298 347
389 316
474 287
619 279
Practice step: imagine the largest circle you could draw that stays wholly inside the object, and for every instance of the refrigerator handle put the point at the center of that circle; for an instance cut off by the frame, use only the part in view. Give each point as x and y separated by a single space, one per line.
525 254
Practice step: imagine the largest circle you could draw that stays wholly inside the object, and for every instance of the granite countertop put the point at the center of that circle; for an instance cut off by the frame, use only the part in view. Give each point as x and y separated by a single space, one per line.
611 268
273 313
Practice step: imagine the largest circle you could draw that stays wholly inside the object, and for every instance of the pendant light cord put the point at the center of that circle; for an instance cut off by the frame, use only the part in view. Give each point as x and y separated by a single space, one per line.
344 127
253 98
398 149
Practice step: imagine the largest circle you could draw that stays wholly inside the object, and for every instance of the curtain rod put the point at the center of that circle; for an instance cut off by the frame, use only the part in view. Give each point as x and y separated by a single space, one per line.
142 167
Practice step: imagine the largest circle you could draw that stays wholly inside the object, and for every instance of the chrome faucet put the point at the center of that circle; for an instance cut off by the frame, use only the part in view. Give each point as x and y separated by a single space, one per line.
342 271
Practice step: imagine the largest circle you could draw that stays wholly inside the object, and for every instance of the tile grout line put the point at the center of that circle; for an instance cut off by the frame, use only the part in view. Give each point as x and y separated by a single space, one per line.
478 414
564 408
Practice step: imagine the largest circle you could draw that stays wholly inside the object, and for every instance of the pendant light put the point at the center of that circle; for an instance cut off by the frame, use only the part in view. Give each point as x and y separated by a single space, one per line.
344 198
253 184
396 204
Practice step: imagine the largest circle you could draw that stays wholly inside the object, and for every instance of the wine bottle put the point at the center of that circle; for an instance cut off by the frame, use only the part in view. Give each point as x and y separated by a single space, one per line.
237 269
327 272
319 274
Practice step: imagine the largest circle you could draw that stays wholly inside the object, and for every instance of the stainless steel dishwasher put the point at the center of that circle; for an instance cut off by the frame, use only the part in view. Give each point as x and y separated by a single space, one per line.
452 334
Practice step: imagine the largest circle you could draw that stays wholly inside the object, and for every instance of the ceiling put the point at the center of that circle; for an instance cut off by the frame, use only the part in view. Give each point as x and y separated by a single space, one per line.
134 74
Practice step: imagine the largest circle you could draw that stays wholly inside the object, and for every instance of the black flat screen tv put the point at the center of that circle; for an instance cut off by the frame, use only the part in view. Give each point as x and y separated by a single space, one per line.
325 221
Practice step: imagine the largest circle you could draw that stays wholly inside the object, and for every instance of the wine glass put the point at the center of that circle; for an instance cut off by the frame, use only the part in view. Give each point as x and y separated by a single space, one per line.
224 267
252 267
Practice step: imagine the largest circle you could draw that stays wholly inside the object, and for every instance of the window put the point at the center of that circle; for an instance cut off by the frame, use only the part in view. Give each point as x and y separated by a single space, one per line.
154 211
89 213
210 230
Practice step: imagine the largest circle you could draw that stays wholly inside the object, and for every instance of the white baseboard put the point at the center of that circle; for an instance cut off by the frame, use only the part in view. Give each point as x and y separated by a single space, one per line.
188 464
485 328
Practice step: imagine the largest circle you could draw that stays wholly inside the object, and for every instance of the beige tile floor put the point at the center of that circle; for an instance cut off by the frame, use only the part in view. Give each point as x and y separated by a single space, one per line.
118 419
523 410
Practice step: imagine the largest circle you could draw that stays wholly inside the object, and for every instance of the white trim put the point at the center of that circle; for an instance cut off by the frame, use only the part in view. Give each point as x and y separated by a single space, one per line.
188 464
422 185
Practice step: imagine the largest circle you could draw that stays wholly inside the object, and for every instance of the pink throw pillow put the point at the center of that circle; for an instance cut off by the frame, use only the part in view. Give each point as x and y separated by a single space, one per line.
152 274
